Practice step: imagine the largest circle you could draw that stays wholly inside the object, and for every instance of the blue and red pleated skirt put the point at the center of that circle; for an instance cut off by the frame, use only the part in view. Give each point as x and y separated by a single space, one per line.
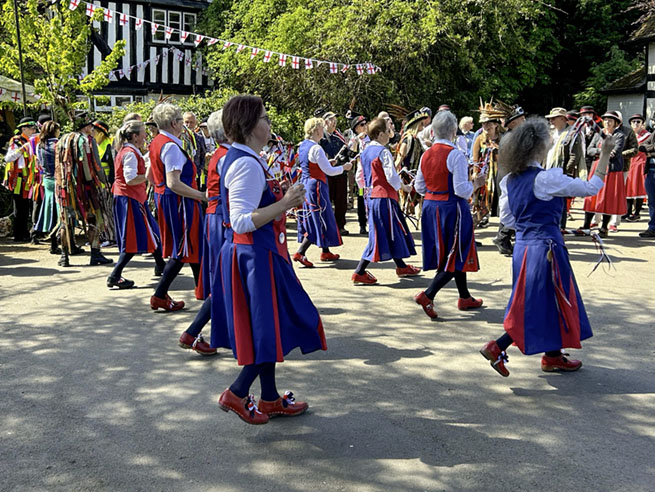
212 242
447 236
388 234
180 222
136 228
316 219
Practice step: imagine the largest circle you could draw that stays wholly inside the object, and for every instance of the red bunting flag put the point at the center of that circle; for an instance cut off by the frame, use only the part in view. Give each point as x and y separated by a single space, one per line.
283 60
240 48
73 5
333 67
308 64
138 24
123 19
267 56
109 16
90 9
295 62
254 53
198 40
153 28
168 32
360 69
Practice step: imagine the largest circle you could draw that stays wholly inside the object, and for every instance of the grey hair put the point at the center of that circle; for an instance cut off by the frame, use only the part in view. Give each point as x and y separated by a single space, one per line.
131 117
526 144
215 126
444 125
165 114
127 131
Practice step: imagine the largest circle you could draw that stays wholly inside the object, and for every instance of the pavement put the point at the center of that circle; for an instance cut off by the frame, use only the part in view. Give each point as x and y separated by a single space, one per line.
97 396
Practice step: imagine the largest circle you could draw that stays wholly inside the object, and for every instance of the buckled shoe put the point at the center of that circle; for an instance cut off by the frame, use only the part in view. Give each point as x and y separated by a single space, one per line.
245 408
424 301
496 357
166 304
197 344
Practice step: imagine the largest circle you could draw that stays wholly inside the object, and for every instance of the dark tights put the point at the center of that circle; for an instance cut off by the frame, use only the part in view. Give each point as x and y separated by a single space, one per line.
589 216
304 246
201 319
361 268
247 376
125 258
638 203
171 270
442 278
505 341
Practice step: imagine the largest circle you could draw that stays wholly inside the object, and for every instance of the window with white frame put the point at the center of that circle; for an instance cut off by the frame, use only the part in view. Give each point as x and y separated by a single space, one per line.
179 21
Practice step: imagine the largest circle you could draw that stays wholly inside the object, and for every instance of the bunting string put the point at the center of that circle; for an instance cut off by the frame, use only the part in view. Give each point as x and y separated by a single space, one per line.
295 61
179 54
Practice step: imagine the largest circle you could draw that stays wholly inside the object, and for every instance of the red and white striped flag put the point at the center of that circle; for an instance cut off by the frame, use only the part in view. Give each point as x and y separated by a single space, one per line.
90 9
253 53
240 48
183 36
198 40
370 68
333 67
138 24
283 59
168 32
267 56
345 68
295 62
226 45
360 69
109 16
123 19
308 64
212 41
73 5
153 28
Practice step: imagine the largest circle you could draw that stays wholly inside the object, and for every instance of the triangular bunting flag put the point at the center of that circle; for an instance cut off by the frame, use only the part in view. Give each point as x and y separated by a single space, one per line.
183 36
153 28
254 53
123 19
333 67
120 74
240 48
308 64
283 59
198 40
73 5
226 45
138 24
267 56
212 41
111 77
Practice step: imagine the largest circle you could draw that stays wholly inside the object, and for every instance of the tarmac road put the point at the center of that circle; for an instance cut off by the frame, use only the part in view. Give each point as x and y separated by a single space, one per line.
97 396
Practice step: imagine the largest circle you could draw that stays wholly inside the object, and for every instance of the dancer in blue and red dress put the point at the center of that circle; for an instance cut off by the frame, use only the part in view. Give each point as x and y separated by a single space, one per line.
268 313
545 311
136 228
316 222
446 223
178 200
389 238
210 280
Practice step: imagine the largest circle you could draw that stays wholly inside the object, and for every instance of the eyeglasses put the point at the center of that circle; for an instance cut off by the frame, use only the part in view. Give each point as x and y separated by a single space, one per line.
265 118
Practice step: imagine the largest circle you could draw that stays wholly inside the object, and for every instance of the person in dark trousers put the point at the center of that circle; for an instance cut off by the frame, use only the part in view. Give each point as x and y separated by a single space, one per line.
332 142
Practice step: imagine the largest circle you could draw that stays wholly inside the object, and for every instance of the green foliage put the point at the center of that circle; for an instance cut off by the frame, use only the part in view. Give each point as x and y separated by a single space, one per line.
55 44
430 51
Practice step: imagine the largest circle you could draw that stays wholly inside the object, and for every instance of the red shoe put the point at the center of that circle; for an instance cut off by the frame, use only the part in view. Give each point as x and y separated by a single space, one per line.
613 228
329 256
408 271
198 344
427 304
560 363
302 259
367 278
491 351
167 304
245 408
286 406
593 224
470 303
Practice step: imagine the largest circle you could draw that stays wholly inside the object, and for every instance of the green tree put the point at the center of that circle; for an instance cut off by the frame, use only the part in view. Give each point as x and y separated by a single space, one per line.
56 42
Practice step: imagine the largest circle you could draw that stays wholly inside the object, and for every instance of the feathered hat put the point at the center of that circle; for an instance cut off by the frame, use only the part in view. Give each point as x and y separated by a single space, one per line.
510 113
488 112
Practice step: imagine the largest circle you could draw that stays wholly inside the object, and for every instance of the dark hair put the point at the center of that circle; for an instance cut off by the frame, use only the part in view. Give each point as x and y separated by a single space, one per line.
240 116
527 143
375 127
48 130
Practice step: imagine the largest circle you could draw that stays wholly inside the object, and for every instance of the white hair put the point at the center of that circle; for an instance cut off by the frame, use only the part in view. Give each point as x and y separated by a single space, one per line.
165 114
464 121
215 126
444 125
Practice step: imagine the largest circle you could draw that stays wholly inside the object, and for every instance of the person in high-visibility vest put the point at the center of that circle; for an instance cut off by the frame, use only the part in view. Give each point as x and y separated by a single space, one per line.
16 177
104 142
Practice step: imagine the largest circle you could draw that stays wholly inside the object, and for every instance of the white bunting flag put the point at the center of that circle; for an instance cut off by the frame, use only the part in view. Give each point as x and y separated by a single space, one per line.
333 67
198 40
283 60
212 41
73 5
168 32
153 28
308 64
370 68
123 19
157 58
360 69
254 53
111 76
345 68
240 48
226 45
138 24
180 55
120 74
90 9
128 72
267 56
295 62
183 36
109 16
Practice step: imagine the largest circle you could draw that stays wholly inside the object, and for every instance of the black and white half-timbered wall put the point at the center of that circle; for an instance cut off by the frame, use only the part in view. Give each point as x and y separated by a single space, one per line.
171 74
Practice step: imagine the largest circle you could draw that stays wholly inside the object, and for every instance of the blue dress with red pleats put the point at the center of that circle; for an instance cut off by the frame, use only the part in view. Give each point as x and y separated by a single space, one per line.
136 229
316 220
267 311
545 310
